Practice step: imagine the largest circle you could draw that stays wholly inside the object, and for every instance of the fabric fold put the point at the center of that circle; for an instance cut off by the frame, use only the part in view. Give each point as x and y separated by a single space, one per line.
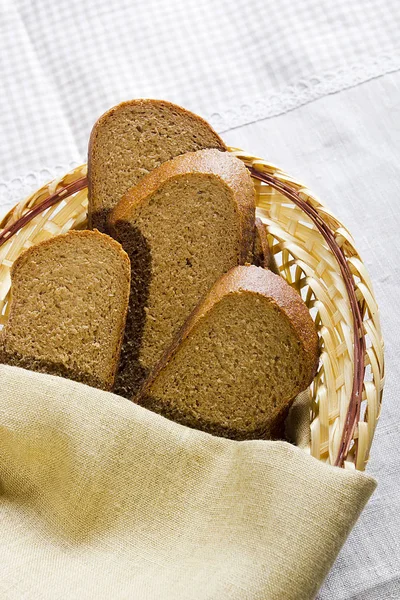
102 498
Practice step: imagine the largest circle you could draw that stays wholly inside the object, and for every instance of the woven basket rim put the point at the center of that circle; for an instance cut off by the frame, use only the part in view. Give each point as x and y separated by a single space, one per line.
289 189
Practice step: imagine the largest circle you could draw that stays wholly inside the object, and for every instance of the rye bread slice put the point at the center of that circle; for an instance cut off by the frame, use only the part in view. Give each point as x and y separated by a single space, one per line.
262 255
69 302
132 139
244 353
184 225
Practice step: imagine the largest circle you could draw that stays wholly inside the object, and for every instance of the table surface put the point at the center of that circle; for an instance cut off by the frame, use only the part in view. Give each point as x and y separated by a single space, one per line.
313 88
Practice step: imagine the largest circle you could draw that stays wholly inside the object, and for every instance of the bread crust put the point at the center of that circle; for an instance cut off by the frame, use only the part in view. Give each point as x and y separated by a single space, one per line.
29 252
263 256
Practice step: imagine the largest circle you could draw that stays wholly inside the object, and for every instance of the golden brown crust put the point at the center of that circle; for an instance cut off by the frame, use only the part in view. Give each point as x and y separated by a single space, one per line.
33 250
210 162
141 102
260 281
263 256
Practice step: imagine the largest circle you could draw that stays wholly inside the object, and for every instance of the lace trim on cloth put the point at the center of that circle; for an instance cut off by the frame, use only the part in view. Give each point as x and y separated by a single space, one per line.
16 189
290 98
304 91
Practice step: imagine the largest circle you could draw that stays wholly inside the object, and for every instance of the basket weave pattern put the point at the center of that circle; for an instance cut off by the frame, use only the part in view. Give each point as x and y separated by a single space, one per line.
341 426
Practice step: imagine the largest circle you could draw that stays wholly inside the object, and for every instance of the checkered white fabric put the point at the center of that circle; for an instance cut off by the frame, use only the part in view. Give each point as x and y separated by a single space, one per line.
63 63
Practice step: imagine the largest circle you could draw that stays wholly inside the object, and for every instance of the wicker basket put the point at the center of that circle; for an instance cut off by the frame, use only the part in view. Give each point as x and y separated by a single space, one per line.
317 256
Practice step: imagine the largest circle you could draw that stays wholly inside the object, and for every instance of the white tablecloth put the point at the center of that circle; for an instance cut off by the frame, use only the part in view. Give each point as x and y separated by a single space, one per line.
313 86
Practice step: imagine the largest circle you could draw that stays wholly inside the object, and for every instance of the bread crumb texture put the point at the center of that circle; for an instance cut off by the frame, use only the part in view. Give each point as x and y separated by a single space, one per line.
183 226
132 139
68 309
242 357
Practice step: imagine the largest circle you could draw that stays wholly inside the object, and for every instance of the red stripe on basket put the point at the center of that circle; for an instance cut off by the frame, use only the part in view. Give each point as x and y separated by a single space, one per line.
61 194
353 412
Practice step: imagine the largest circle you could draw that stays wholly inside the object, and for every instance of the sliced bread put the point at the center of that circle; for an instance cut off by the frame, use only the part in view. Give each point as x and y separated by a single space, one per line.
132 139
184 225
69 302
241 357
262 255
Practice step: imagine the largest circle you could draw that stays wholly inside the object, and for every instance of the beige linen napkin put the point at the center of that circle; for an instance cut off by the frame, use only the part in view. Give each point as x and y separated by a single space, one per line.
102 499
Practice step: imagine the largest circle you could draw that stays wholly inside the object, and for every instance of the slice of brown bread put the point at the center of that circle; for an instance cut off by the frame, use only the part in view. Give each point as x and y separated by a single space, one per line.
132 139
262 254
69 302
183 226
241 357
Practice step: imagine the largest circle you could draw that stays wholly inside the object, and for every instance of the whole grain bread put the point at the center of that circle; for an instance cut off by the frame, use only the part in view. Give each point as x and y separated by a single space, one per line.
184 225
240 358
132 139
262 255
69 302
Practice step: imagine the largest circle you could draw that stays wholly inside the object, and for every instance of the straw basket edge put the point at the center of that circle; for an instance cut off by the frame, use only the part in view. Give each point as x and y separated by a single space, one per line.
317 256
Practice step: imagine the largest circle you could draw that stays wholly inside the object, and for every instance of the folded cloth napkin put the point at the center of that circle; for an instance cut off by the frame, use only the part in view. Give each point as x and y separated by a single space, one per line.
101 498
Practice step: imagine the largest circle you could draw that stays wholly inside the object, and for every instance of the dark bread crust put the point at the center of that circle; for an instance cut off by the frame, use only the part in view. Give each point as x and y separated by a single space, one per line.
55 367
262 255
209 162
97 214
51 368
255 280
